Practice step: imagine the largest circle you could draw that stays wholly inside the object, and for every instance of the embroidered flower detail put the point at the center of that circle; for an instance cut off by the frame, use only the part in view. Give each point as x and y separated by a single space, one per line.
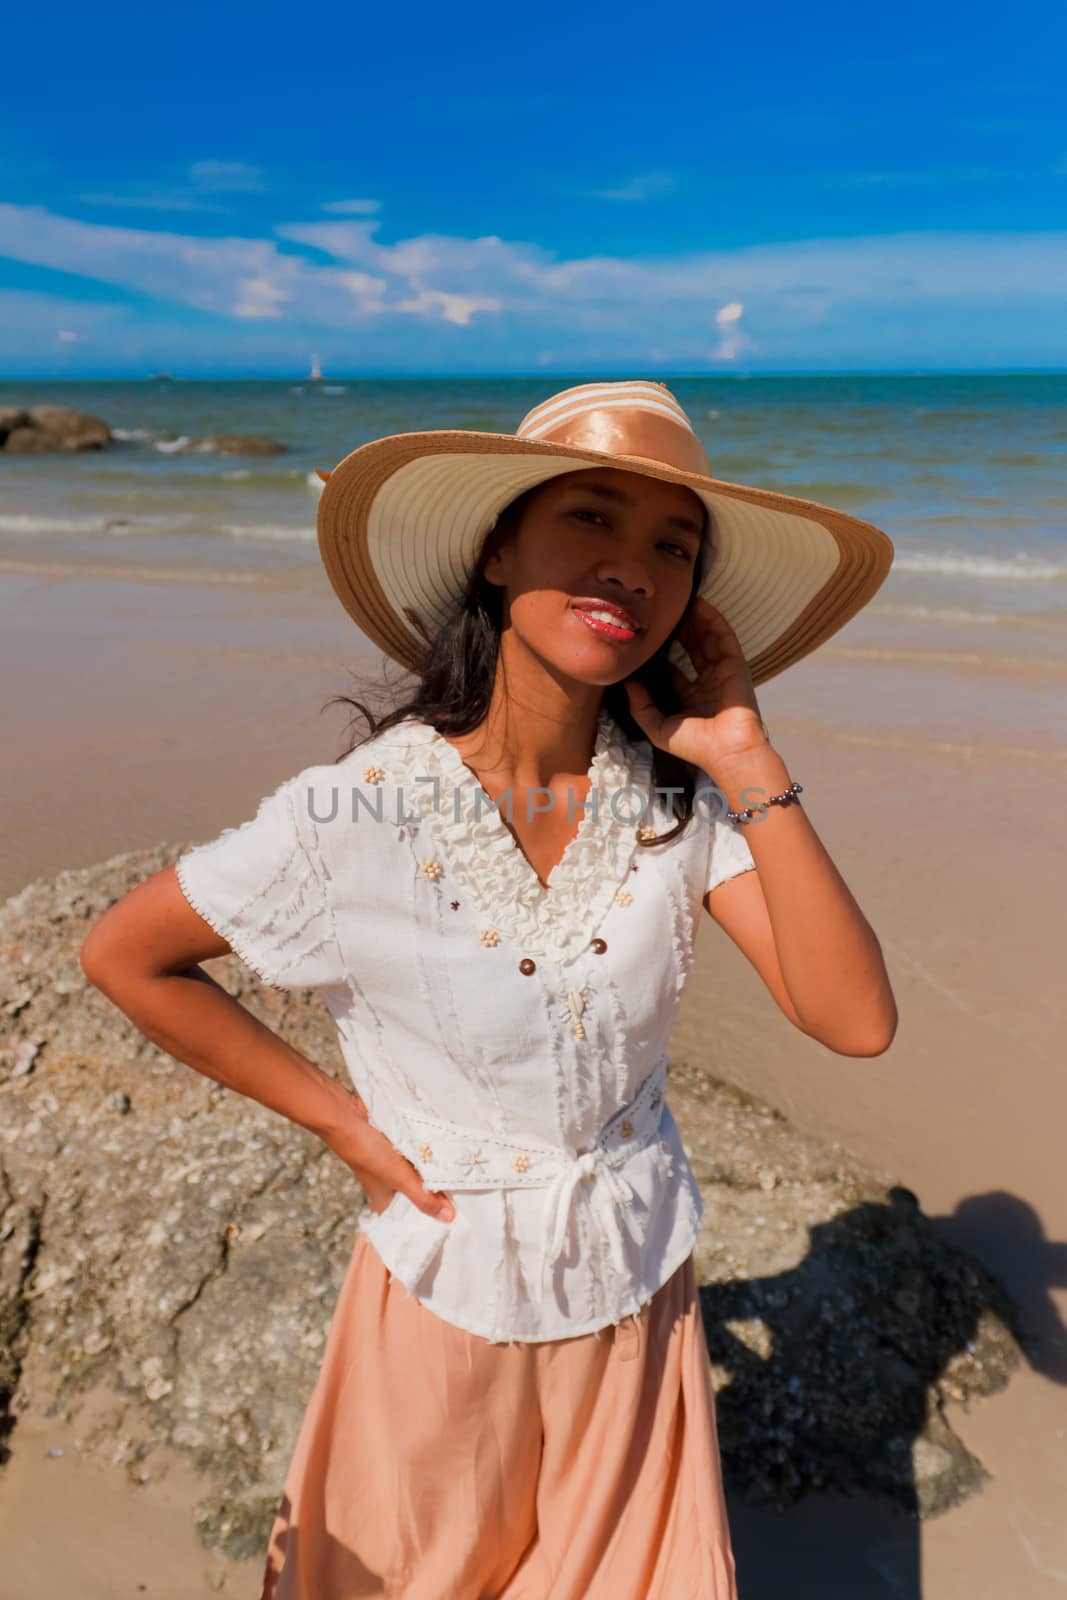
454 904
489 937
627 1129
521 1161
431 869
572 1009
623 897
374 775
426 1152
646 831
475 1159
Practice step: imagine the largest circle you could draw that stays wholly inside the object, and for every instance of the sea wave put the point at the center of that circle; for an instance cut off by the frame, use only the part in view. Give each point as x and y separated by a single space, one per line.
116 526
30 522
936 613
1020 568
266 530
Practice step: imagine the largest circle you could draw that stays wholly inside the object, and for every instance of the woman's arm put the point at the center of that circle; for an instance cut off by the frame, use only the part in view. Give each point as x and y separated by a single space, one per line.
143 954
797 922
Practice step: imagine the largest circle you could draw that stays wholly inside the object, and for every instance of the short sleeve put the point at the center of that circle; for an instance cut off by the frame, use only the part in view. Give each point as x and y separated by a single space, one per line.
258 886
728 852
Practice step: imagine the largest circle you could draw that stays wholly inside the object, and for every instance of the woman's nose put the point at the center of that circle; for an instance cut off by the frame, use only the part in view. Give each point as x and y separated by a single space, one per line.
631 575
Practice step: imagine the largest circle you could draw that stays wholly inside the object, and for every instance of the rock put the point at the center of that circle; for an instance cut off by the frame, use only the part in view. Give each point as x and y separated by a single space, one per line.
234 444
44 428
180 1248
30 441
12 417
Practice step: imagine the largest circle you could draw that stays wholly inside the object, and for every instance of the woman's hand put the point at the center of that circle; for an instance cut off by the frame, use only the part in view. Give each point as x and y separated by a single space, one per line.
381 1169
720 719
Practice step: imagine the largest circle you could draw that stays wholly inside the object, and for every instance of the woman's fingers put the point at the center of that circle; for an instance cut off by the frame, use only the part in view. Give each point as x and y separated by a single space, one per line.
428 1200
383 1171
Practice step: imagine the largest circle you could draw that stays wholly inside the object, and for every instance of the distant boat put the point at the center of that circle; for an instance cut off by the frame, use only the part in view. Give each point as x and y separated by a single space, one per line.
154 377
315 375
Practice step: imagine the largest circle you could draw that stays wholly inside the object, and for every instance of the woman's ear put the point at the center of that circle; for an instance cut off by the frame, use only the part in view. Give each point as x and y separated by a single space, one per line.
496 563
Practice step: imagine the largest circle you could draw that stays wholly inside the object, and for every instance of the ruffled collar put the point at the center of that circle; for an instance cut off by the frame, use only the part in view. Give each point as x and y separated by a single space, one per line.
479 851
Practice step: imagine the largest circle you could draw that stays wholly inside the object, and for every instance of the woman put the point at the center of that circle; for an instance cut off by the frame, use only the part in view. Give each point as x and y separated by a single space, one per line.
498 904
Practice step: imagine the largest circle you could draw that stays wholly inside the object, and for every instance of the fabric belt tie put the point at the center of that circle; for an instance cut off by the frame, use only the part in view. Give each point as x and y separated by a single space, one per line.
610 1195
450 1155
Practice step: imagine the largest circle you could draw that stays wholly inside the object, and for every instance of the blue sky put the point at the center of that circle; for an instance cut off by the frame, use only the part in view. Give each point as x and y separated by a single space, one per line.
225 190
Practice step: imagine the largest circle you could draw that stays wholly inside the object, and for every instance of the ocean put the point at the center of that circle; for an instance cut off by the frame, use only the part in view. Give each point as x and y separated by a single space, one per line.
966 473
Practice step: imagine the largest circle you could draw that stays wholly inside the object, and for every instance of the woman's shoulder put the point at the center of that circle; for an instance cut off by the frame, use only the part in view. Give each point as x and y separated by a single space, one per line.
366 763
365 785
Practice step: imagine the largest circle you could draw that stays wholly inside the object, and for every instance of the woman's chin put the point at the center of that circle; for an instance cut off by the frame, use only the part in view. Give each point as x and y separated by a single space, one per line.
592 661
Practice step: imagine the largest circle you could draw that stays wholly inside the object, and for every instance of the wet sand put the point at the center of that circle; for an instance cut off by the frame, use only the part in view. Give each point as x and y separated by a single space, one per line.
932 757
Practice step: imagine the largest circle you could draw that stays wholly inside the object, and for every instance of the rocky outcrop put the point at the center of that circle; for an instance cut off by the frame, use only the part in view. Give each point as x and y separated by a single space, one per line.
35 429
234 444
181 1247
45 428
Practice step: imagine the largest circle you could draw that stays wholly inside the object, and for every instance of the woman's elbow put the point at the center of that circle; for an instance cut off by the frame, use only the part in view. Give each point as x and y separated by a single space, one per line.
858 1036
876 1042
94 958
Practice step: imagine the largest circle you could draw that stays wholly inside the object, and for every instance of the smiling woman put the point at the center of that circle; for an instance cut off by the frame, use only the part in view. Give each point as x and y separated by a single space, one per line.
517 1348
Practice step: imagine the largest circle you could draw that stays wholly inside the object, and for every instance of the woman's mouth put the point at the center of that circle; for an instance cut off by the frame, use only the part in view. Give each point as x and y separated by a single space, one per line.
608 622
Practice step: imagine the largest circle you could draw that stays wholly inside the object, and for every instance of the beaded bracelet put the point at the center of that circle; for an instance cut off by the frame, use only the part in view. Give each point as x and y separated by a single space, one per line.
789 798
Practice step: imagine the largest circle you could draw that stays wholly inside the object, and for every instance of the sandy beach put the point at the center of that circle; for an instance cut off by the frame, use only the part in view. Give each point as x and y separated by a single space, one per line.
159 706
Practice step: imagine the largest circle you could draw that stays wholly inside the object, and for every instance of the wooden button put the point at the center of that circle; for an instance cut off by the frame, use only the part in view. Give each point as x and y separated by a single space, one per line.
598 946
526 966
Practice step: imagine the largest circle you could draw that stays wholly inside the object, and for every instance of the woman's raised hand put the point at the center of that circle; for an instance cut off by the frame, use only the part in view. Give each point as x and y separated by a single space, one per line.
382 1170
720 717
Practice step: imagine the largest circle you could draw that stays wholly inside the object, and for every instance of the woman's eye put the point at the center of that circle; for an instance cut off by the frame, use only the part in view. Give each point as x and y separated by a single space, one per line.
678 549
587 511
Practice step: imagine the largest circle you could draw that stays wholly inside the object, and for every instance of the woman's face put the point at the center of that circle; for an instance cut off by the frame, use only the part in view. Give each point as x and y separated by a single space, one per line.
599 571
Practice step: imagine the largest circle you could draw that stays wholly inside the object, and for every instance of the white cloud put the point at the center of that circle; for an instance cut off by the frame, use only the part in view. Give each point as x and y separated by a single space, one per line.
153 200
202 180
353 208
639 188
598 308
457 308
228 277
228 177
367 291
66 336
259 297
733 340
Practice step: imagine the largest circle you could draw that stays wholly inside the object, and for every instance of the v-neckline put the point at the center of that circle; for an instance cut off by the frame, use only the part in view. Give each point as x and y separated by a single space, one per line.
468 778
479 852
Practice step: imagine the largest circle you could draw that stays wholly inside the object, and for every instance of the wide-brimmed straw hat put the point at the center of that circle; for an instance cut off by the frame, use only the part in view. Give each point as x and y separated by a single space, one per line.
401 522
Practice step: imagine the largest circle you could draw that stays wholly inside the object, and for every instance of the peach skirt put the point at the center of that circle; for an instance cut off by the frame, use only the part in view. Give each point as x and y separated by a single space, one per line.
434 1465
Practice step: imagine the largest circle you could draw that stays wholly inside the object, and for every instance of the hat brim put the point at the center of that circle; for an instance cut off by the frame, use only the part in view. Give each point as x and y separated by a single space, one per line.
401 521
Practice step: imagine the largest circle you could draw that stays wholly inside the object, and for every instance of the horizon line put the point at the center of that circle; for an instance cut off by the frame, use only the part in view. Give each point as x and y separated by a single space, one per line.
583 374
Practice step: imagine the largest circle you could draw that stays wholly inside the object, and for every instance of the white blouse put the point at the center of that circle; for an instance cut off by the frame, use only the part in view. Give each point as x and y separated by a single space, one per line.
509 1039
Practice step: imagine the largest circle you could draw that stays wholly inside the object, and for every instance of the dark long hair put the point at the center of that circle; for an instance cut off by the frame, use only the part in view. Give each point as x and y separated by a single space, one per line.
454 686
